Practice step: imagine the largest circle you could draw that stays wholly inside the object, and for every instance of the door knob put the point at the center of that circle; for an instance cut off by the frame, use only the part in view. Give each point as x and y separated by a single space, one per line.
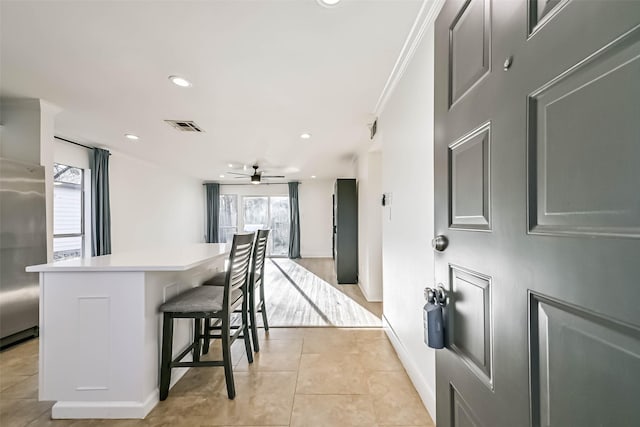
439 243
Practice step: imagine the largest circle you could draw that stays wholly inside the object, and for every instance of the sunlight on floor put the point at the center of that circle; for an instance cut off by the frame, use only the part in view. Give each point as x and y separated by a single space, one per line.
296 296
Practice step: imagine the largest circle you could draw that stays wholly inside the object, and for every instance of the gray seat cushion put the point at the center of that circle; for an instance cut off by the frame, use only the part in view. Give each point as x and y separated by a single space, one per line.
198 299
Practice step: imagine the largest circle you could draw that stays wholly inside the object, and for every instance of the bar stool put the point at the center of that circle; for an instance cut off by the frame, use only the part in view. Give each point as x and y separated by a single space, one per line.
256 282
206 303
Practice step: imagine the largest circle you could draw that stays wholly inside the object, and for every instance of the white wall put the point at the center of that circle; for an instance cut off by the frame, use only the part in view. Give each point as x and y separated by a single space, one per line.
369 174
406 127
315 211
70 154
256 190
152 206
20 120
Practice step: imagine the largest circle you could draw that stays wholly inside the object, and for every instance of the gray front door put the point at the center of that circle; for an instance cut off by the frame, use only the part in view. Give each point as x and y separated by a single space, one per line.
537 176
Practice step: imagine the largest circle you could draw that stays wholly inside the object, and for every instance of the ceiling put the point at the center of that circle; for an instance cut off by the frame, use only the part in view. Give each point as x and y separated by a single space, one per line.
263 72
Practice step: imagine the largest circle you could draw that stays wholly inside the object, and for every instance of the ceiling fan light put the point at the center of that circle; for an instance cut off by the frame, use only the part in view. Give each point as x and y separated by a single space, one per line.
255 179
180 81
328 3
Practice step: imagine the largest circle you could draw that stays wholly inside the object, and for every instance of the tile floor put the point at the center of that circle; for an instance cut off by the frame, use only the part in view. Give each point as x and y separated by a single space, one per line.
301 377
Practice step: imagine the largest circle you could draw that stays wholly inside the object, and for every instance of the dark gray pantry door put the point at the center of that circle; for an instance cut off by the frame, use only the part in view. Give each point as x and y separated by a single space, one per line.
537 175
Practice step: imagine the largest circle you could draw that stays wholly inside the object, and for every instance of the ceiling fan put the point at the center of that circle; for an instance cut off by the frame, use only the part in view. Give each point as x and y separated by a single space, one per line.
256 178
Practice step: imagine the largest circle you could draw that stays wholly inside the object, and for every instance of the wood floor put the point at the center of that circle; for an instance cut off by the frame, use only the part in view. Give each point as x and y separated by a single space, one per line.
304 292
325 377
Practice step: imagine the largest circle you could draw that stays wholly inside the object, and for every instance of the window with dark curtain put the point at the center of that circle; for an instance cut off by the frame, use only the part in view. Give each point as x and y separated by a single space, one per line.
100 205
213 212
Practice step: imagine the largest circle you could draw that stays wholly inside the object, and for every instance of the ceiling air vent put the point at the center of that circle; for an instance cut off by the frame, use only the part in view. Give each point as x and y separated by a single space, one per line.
185 125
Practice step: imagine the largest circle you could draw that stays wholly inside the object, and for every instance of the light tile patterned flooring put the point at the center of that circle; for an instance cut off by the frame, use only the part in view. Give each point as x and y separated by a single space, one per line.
328 377
301 377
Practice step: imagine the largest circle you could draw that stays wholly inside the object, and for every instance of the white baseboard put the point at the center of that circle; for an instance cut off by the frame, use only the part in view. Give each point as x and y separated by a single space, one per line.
427 394
315 255
105 410
375 297
114 410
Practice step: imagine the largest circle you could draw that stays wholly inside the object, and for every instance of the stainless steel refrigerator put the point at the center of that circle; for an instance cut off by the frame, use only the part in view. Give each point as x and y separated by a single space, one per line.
23 242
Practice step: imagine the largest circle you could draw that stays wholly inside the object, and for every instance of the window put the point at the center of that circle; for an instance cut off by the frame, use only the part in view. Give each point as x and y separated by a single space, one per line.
256 213
228 217
280 225
261 212
68 212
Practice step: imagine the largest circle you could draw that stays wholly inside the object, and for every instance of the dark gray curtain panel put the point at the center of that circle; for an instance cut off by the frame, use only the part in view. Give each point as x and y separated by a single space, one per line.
294 219
213 212
100 206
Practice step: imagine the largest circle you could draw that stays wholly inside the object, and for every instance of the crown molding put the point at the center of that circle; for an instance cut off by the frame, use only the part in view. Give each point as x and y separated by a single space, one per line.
426 17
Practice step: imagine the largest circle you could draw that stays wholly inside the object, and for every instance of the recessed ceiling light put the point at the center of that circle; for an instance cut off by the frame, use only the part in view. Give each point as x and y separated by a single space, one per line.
230 165
305 135
328 3
221 176
131 136
180 81
313 176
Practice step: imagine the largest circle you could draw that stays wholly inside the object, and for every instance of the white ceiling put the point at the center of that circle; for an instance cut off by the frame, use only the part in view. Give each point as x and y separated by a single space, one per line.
263 72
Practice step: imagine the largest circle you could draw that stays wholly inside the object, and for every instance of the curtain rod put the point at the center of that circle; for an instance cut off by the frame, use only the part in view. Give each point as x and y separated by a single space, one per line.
72 142
75 143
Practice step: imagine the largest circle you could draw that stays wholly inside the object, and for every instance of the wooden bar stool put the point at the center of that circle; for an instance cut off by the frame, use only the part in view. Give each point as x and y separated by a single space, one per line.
207 303
256 283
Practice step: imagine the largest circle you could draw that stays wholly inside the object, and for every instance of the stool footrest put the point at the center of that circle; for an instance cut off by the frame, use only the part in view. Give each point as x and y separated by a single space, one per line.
184 353
197 364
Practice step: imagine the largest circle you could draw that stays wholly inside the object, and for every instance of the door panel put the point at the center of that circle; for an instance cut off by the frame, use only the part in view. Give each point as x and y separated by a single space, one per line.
577 358
538 148
461 413
470 325
469 177
583 137
469 56
541 11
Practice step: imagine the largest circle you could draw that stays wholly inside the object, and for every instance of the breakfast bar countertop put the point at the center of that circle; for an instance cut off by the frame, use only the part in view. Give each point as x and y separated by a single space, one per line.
178 258
99 326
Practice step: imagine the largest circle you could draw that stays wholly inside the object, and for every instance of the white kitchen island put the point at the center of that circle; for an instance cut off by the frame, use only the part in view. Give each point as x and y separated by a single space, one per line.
100 327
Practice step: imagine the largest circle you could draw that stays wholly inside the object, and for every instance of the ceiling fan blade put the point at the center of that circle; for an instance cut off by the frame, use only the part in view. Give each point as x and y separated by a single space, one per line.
236 173
273 176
